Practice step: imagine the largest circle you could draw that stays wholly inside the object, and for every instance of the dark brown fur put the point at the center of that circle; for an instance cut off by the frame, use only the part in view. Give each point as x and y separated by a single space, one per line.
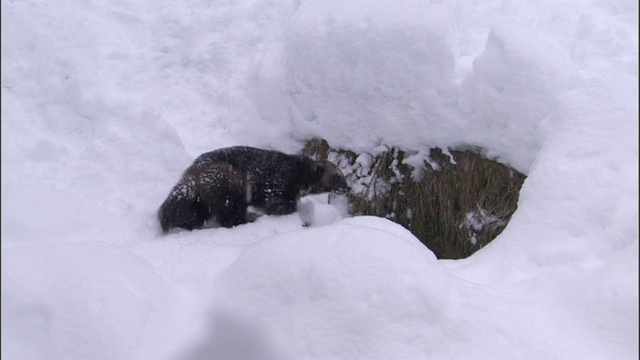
222 184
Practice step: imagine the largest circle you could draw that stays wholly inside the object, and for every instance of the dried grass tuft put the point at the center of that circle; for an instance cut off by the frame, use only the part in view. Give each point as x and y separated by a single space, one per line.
462 201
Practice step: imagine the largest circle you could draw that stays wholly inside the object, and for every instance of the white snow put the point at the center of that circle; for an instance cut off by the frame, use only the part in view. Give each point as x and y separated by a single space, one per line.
477 220
104 104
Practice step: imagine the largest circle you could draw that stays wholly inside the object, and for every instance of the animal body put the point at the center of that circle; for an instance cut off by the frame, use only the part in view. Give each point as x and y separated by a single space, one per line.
220 185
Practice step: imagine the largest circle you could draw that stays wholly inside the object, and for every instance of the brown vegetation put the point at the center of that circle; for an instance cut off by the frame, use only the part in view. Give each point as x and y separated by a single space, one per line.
461 201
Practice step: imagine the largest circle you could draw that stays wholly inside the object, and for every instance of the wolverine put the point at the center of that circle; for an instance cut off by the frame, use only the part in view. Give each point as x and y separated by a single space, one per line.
220 185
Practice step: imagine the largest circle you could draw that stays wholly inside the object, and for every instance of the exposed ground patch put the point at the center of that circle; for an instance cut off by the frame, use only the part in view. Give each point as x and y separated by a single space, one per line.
455 203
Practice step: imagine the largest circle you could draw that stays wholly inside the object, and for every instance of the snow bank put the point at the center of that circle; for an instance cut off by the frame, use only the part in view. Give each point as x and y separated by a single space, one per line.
103 106
78 300
391 71
365 288
293 291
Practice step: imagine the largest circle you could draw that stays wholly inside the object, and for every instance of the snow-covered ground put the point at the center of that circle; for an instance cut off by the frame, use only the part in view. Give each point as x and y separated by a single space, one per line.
104 104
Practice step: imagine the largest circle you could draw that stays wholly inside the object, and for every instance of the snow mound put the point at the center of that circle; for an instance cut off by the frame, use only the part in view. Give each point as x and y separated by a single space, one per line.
363 288
100 295
307 280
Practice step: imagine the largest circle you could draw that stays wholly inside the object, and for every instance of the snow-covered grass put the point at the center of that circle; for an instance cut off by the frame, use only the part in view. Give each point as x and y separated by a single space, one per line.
104 104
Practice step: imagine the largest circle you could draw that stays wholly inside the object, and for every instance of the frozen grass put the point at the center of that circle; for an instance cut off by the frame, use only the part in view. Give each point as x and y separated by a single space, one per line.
460 202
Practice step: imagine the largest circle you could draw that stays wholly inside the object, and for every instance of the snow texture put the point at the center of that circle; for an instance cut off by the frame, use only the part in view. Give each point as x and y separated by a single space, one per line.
104 104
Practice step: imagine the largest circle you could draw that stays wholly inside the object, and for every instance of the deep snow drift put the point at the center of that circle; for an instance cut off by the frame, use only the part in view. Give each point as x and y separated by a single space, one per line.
105 104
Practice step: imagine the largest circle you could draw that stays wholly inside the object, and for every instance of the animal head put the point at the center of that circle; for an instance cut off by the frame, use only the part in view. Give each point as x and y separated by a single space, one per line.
330 178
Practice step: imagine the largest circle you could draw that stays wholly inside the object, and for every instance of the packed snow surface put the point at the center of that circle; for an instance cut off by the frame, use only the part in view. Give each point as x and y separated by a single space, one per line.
104 104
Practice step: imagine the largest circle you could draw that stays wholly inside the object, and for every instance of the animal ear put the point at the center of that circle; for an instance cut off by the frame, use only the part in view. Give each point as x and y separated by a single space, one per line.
319 168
